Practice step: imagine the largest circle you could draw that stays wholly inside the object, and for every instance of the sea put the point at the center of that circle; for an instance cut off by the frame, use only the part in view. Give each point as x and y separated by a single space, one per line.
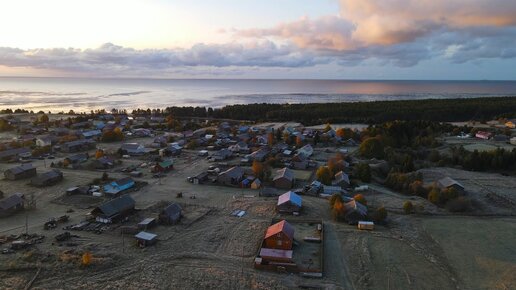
85 94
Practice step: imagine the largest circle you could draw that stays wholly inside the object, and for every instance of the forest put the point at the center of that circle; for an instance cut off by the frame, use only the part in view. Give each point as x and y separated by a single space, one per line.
479 109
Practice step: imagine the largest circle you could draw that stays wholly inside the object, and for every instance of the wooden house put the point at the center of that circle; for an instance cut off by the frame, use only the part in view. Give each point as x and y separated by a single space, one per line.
20 172
232 176
279 236
354 212
164 166
114 210
48 178
289 202
11 204
284 178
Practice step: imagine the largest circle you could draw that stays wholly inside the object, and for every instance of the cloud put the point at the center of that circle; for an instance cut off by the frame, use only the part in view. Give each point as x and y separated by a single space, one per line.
390 32
113 58
404 32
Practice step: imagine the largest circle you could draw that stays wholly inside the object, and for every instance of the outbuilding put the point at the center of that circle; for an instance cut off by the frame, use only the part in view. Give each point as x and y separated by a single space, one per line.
145 239
171 214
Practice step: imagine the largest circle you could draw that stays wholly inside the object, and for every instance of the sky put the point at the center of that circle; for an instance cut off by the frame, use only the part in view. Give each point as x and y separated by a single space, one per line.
326 39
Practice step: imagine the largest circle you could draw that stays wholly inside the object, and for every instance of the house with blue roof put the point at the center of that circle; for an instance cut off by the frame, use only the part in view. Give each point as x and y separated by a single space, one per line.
289 202
118 186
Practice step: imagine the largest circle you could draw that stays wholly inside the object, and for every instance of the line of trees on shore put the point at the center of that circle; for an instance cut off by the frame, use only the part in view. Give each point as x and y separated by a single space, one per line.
461 109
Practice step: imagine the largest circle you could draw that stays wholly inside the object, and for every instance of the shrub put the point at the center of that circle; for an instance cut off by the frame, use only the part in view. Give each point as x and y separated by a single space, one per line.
380 214
434 196
324 175
408 207
360 198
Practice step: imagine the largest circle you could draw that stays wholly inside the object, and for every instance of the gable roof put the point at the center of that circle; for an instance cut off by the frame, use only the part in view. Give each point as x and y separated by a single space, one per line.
13 152
284 173
280 227
341 176
11 201
20 169
290 197
234 172
353 205
172 210
447 182
117 205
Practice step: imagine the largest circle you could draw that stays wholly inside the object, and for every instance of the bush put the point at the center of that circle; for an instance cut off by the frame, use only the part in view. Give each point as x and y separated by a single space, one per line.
324 175
380 214
408 207
360 198
434 196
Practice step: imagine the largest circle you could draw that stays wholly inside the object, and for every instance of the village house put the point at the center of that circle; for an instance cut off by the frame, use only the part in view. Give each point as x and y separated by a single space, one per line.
48 178
103 162
44 141
118 186
289 202
306 150
171 214
172 149
354 212
20 172
222 154
11 204
447 182
91 134
239 147
299 161
284 178
133 149
15 153
114 210
483 135
341 179
164 166
256 184
259 155
232 176
78 145
145 239
200 178
279 236
77 159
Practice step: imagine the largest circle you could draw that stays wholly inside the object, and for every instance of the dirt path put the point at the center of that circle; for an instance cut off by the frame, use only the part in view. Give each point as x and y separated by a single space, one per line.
335 267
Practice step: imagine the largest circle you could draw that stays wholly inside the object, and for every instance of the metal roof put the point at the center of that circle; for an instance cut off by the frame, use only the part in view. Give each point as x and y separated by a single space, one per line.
145 236
117 205
280 227
290 197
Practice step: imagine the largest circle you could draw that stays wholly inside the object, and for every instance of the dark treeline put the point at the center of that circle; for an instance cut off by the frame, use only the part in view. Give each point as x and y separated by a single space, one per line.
374 112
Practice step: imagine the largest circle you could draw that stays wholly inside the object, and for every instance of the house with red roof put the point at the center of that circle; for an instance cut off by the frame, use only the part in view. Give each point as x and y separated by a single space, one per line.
279 236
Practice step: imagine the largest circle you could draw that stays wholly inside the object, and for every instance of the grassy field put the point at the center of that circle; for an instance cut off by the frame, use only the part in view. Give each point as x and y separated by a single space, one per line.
481 251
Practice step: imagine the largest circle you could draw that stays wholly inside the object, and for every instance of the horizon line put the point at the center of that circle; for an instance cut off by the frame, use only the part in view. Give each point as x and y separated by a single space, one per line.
259 79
